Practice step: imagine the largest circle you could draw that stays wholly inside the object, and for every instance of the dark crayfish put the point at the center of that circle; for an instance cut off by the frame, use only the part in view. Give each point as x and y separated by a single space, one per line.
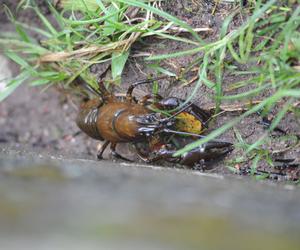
114 120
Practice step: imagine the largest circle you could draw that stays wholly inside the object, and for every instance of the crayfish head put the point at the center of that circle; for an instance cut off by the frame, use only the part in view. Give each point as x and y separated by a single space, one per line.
154 123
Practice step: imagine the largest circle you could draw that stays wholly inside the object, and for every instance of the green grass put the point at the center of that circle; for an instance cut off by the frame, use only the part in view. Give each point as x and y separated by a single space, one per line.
267 43
72 45
251 43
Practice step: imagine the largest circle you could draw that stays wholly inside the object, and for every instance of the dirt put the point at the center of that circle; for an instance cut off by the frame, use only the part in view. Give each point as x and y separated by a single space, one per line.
43 120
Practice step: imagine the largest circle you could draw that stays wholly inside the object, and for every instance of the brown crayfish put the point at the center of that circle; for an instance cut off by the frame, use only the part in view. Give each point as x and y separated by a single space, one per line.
113 120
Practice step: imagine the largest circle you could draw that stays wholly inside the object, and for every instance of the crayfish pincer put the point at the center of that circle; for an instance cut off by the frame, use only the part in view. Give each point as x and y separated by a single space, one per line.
121 120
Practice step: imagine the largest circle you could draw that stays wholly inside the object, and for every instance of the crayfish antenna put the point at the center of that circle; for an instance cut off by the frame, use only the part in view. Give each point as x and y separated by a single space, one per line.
177 113
209 145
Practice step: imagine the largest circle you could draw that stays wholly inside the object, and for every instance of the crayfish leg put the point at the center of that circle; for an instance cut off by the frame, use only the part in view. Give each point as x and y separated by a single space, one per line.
101 150
146 98
115 154
133 85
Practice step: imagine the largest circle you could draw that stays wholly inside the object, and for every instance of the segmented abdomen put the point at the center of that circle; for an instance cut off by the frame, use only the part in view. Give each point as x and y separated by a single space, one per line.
87 119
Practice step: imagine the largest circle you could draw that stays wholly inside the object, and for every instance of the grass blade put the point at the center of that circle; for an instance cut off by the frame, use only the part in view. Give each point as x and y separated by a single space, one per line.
118 61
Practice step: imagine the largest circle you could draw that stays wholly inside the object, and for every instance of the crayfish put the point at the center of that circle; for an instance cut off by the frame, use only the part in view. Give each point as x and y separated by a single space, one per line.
127 120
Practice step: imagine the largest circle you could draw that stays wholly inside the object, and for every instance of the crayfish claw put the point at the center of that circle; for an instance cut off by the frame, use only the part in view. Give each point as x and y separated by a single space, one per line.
218 145
207 152
218 148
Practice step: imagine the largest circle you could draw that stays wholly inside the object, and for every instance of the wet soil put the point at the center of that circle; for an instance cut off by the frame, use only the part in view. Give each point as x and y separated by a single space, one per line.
44 119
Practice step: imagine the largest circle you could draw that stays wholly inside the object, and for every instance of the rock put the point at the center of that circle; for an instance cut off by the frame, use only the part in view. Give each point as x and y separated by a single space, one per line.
49 202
